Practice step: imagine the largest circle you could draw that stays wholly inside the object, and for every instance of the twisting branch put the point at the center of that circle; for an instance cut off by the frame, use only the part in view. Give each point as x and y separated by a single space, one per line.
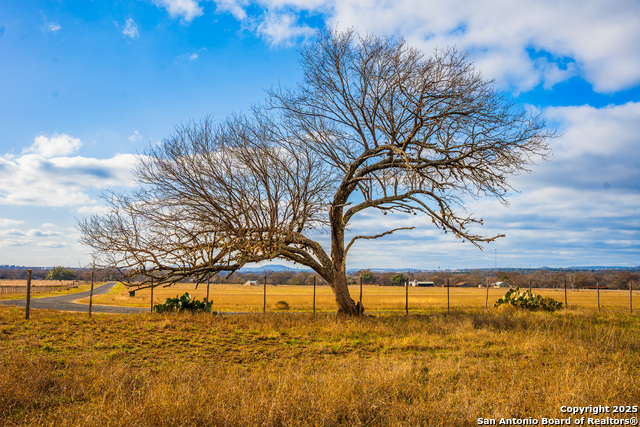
375 237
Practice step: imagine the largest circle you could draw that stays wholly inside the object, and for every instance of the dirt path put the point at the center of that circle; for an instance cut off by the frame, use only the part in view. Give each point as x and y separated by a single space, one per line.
65 302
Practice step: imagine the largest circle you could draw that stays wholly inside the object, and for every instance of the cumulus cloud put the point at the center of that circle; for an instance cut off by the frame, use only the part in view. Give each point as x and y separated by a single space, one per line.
130 29
521 44
6 222
56 145
184 9
581 207
279 29
44 174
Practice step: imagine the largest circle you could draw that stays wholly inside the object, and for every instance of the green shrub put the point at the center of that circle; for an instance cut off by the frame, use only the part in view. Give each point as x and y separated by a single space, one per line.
183 303
528 300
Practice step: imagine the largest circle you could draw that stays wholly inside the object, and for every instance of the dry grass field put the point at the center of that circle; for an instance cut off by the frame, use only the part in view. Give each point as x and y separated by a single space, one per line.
14 289
436 369
239 298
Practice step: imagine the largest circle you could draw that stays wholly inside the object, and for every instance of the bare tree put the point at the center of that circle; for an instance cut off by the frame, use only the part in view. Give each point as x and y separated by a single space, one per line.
374 125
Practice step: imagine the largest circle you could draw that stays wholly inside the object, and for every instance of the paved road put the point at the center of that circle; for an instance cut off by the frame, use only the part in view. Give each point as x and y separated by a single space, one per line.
65 302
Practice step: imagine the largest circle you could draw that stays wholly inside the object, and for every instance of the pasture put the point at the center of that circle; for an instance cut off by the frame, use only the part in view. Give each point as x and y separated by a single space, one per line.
379 299
14 289
432 368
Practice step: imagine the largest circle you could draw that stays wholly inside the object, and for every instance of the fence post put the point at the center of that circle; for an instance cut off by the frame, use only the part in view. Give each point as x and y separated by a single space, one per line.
314 296
566 305
28 302
631 296
91 295
598 287
486 301
264 296
447 294
360 291
208 283
152 295
406 297
529 286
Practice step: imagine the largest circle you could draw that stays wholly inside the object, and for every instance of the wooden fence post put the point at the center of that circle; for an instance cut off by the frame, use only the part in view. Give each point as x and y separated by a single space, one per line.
529 286
631 296
486 301
447 294
360 291
566 305
598 287
152 295
91 295
314 295
406 297
28 302
208 283
264 296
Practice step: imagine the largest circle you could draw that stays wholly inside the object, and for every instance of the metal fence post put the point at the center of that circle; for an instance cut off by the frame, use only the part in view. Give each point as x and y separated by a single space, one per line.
406 297
91 295
28 301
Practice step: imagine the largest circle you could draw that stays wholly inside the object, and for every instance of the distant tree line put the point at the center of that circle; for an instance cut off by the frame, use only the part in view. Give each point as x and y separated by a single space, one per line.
576 279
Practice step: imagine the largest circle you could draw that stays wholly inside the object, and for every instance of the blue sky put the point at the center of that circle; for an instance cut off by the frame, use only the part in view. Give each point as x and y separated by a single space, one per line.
85 85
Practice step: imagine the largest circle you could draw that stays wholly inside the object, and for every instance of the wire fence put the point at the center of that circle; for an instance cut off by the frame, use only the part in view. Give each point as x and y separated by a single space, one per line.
306 298
22 289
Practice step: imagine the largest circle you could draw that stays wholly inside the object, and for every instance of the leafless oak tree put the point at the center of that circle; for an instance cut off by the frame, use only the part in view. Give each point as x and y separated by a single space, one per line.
374 125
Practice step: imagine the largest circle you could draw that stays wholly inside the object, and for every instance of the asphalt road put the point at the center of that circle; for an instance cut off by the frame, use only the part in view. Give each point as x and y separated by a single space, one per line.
65 302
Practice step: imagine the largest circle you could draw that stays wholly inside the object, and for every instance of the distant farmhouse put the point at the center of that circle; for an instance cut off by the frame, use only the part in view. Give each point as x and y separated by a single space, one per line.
500 285
251 283
421 284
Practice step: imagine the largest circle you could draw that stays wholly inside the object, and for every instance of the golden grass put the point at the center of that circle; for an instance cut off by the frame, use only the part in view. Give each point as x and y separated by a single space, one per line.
39 283
44 288
240 298
66 369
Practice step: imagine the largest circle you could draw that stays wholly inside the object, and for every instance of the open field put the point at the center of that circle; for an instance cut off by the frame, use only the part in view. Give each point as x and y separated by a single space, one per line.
438 369
13 289
239 298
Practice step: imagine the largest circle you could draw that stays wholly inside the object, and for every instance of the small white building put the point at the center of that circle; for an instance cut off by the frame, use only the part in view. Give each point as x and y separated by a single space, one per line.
421 284
251 283
500 285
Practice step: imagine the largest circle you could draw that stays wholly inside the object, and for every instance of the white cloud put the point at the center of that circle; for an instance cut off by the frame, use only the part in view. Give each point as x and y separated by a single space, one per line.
45 176
235 7
56 145
185 9
54 27
280 29
135 136
131 29
6 222
520 44
581 207
599 36
190 57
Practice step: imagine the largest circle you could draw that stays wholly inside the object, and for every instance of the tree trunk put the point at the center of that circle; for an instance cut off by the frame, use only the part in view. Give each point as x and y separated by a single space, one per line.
346 305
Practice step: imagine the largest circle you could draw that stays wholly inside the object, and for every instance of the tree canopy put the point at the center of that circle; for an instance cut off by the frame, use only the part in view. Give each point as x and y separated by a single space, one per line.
60 273
374 124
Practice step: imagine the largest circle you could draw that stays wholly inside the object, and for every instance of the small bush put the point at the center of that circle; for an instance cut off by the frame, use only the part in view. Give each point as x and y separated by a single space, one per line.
528 300
183 303
282 305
